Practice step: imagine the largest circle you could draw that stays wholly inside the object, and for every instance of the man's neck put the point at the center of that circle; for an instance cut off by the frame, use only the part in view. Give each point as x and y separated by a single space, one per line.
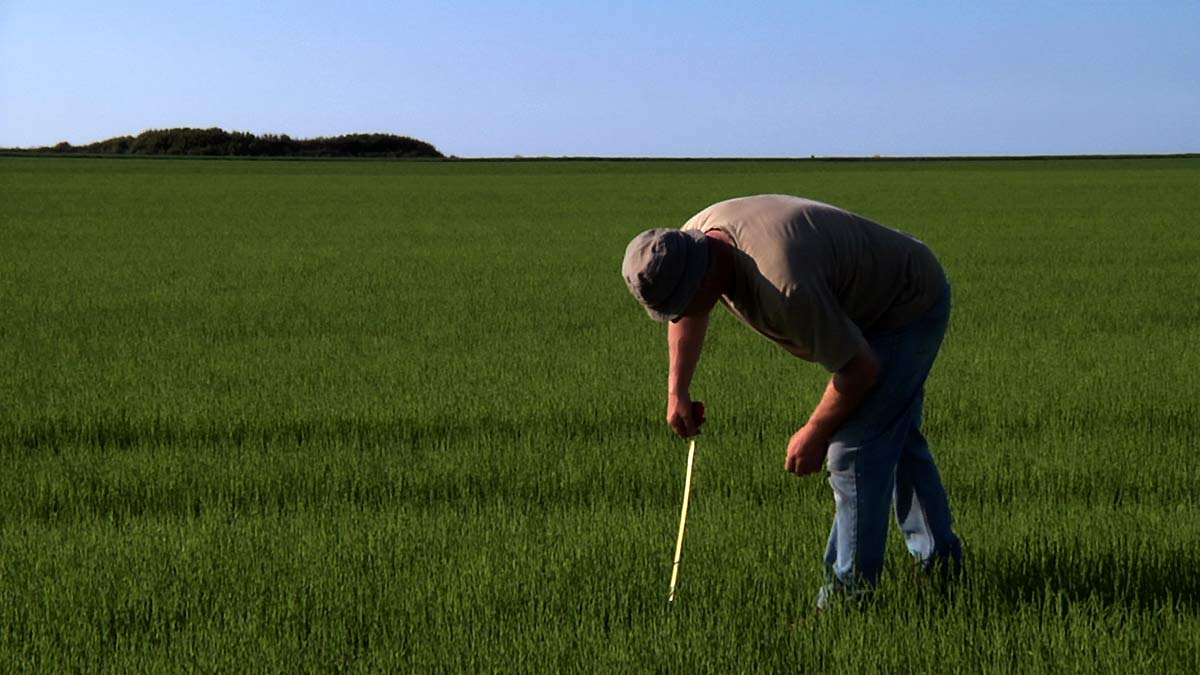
722 249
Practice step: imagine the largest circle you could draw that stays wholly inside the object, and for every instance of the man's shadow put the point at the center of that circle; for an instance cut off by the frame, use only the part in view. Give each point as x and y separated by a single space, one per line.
1129 577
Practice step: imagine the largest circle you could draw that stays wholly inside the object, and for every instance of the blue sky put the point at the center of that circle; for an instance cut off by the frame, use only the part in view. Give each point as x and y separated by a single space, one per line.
484 79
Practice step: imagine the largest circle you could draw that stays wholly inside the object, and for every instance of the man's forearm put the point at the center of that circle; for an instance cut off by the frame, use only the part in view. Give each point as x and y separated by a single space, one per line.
846 390
685 340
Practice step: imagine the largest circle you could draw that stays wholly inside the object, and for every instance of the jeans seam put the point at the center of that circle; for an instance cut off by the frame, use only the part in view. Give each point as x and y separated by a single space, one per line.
855 564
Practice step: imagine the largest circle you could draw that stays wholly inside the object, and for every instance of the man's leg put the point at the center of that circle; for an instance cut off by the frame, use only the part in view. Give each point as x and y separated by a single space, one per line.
922 508
862 478
864 457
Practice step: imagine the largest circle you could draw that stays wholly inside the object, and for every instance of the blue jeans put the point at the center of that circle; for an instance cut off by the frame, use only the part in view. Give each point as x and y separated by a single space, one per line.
879 456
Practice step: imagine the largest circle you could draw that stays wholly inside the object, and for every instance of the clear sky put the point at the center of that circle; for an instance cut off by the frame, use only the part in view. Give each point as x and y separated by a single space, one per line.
616 78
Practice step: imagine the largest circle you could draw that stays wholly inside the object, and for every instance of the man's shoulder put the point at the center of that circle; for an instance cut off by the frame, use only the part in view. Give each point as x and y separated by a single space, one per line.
760 213
758 205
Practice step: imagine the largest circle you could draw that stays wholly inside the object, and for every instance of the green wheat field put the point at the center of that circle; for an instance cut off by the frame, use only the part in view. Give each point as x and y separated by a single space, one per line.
323 416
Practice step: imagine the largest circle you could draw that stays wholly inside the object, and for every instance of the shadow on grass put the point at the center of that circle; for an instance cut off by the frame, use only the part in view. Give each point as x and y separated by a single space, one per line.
120 430
1127 574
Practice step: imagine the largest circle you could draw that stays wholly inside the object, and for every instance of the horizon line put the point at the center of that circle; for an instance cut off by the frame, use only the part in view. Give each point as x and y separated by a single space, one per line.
48 152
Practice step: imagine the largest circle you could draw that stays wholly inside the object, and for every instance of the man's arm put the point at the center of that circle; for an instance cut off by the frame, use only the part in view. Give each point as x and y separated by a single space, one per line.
847 389
685 341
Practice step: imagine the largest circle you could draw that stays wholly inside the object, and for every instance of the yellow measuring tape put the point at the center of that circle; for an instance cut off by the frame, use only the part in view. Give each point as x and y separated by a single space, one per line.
687 491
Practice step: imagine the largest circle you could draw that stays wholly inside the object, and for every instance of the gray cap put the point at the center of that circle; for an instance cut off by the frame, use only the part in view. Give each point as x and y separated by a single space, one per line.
664 268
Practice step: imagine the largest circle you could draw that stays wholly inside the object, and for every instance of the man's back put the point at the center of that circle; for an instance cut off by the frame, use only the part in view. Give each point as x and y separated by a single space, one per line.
814 277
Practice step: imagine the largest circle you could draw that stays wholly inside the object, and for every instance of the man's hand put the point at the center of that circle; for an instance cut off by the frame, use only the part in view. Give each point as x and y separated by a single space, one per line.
846 390
806 451
684 415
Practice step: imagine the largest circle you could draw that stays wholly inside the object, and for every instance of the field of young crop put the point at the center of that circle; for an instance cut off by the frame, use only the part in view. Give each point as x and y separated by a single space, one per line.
386 416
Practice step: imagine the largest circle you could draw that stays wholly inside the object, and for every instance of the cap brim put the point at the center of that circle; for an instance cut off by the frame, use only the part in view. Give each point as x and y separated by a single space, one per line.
693 277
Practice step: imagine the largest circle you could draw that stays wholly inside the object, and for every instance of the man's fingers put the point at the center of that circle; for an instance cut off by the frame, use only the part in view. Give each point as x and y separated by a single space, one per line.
682 426
798 464
678 427
804 466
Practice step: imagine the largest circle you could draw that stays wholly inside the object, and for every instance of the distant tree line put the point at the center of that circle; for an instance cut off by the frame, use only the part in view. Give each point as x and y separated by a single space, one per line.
216 142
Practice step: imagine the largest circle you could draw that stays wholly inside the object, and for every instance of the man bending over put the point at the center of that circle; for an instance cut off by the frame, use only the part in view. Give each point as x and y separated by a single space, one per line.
868 303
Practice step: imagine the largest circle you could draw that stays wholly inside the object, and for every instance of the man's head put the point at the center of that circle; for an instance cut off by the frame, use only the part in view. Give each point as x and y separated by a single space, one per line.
665 268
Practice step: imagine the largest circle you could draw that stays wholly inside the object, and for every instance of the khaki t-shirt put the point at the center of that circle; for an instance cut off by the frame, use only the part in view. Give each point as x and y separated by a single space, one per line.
814 278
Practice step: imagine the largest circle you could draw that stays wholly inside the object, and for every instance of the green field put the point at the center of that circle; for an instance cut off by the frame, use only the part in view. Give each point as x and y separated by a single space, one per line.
388 416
